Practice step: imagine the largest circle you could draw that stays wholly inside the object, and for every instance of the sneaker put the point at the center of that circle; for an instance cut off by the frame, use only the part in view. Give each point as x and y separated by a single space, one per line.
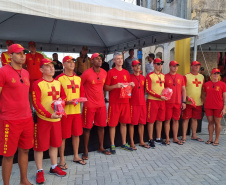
57 171
151 143
40 177
112 149
126 147
160 142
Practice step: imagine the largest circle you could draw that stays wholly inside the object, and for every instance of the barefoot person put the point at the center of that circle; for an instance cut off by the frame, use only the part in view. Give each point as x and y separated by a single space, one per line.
16 122
214 97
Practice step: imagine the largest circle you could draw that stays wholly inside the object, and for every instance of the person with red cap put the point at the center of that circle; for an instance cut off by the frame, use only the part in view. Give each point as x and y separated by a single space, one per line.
47 130
94 110
72 124
214 97
193 83
155 102
16 122
119 108
5 59
174 81
137 105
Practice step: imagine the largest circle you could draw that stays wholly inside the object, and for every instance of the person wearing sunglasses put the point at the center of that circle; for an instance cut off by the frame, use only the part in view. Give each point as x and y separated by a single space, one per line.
156 102
214 97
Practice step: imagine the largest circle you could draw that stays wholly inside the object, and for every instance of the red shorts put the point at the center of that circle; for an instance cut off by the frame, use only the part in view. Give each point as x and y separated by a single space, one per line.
155 110
138 114
47 134
173 110
96 115
14 134
119 112
71 125
214 112
192 112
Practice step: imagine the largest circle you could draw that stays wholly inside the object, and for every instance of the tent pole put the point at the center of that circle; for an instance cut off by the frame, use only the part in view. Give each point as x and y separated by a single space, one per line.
195 48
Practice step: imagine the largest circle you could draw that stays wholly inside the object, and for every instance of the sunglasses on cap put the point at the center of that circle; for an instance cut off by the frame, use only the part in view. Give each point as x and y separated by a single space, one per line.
159 64
217 73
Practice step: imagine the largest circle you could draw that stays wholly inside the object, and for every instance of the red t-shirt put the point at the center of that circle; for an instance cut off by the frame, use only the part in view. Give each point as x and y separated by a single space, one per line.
174 82
138 95
114 76
14 97
214 94
93 84
33 65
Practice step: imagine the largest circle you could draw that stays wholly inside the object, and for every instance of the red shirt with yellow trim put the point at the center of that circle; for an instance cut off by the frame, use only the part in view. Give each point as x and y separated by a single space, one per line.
155 85
174 82
43 94
33 65
74 89
115 76
194 85
138 92
93 84
5 59
14 97
214 94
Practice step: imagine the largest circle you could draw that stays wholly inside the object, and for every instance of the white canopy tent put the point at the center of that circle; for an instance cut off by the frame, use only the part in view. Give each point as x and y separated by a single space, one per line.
103 25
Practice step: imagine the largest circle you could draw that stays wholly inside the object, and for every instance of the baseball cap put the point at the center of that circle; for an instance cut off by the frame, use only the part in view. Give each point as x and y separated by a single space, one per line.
9 42
194 63
173 63
158 60
84 48
67 58
215 70
46 61
16 48
135 62
31 43
95 55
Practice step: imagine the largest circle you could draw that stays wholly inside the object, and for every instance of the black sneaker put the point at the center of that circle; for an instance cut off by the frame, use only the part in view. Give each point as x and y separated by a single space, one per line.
160 142
151 143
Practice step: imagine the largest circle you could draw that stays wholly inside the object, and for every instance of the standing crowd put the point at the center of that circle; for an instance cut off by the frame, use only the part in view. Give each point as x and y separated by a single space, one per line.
27 80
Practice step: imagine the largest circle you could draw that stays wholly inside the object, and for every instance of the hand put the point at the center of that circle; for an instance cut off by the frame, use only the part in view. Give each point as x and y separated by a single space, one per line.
59 99
164 98
119 85
223 112
132 84
183 106
55 116
70 102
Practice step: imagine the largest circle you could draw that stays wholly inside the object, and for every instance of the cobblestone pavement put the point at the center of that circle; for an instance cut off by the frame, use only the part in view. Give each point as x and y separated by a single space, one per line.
193 163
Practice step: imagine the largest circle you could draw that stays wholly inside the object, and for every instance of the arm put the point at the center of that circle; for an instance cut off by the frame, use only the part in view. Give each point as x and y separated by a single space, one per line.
111 87
203 95
0 90
183 92
223 112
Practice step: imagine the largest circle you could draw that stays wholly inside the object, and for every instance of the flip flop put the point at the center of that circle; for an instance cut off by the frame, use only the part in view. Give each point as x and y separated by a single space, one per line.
198 139
105 152
183 140
133 147
215 144
62 166
80 162
85 156
178 142
209 142
145 146
167 142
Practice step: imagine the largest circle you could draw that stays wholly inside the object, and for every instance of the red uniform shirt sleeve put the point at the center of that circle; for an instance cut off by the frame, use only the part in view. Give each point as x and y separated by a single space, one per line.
2 79
185 80
148 88
224 88
63 95
36 99
3 59
204 87
82 91
83 77
108 79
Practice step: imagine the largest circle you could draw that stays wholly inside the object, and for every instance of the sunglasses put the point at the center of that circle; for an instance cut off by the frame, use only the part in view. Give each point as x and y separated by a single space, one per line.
216 73
159 64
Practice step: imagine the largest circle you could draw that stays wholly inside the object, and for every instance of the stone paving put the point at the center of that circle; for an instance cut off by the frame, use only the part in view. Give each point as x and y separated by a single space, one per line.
193 163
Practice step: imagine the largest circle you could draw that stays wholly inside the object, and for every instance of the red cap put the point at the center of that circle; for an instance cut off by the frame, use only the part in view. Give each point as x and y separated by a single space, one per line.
157 60
173 63
9 42
215 70
67 58
95 55
135 62
46 61
194 63
31 43
16 48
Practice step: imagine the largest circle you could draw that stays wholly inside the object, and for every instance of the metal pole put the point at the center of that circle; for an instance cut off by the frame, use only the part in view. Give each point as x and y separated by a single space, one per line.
195 48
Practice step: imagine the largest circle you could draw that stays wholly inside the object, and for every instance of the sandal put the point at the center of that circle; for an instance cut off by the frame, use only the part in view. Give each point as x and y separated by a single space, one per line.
80 162
183 140
62 166
209 142
145 146
215 144
105 152
85 156
167 142
133 147
178 142
197 139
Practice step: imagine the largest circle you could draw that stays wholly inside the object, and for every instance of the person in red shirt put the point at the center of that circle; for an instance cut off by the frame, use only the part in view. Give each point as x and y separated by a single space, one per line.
119 108
214 97
16 122
48 127
137 105
174 81
5 59
94 110
72 124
